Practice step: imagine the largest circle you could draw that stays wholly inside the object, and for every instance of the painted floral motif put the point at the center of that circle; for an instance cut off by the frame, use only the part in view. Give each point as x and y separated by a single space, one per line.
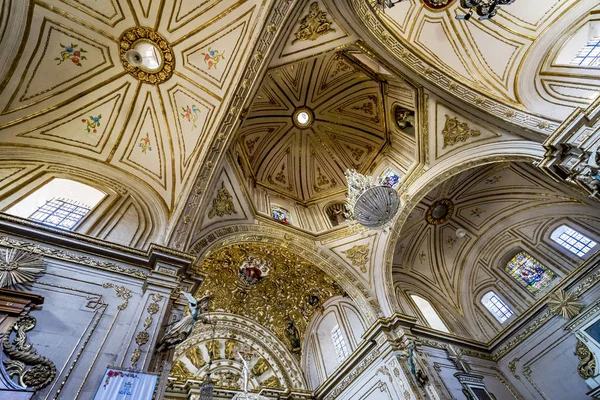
191 114
113 374
73 53
92 123
451 241
493 180
476 212
145 144
212 58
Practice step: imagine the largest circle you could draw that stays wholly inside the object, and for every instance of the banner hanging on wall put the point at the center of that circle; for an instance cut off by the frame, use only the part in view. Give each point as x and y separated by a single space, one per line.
122 384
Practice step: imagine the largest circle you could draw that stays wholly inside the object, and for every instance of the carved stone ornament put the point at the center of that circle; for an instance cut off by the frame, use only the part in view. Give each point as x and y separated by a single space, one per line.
194 354
130 38
313 25
222 204
22 355
260 367
587 364
18 267
455 131
359 255
564 304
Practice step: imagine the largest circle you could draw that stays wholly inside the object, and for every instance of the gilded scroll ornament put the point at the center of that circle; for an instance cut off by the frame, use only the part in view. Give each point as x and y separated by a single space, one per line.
122 292
260 367
131 38
18 267
455 131
194 354
564 304
272 383
214 350
230 349
22 354
222 204
359 255
313 25
180 372
587 363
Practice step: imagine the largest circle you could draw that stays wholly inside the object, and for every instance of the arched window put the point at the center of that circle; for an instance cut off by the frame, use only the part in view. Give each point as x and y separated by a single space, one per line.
589 55
61 203
572 240
280 214
431 316
496 306
529 272
339 343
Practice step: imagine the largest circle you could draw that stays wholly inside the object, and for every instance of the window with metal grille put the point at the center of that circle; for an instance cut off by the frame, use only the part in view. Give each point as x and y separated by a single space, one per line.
60 213
572 240
589 56
339 343
496 306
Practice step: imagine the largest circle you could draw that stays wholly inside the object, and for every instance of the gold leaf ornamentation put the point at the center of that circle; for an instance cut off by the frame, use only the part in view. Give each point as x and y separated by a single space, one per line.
122 292
564 304
130 38
313 25
260 367
194 354
153 308
18 267
272 383
135 356
359 255
222 204
142 338
180 372
455 131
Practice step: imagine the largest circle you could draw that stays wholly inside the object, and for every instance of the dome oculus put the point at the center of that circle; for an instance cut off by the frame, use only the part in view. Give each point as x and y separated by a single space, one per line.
303 118
146 55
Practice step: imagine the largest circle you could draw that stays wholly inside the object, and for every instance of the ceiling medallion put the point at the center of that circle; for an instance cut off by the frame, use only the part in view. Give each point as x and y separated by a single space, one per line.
253 270
437 4
440 212
146 55
303 117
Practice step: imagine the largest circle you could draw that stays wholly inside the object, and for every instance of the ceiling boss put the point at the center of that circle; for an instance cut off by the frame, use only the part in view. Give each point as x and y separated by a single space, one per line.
146 55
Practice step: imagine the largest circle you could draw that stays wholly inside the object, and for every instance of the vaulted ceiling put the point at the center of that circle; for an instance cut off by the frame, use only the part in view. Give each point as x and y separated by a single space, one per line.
68 95
348 128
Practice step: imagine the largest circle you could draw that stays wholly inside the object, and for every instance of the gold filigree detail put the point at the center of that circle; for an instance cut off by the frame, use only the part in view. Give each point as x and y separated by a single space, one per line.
230 347
194 354
564 304
313 25
122 292
455 131
290 294
142 338
18 267
260 367
130 38
587 364
135 356
272 383
152 308
359 255
180 372
222 204
214 349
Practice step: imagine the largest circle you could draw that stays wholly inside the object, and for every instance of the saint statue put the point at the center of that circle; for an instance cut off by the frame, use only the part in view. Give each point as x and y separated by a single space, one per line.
230 346
293 337
182 329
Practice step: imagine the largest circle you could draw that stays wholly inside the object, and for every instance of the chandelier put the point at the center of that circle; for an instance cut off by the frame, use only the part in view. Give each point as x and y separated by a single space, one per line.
486 9
207 388
371 204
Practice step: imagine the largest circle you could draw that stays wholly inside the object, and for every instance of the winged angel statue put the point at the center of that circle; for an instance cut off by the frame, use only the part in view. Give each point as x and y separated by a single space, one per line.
182 329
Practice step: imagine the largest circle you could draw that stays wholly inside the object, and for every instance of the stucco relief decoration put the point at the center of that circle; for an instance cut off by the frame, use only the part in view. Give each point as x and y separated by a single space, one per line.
222 204
130 38
455 132
437 4
282 301
359 256
18 267
22 355
587 364
564 304
313 25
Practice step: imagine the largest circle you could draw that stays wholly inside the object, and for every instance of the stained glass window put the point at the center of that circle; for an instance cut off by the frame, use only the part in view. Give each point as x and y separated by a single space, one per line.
60 213
529 272
280 214
572 240
589 56
496 306
390 178
339 343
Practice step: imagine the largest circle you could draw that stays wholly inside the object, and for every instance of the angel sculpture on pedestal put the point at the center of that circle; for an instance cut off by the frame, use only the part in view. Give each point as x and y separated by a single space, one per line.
183 328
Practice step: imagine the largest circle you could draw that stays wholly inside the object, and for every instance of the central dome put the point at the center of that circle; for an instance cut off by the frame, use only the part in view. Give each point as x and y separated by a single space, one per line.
309 122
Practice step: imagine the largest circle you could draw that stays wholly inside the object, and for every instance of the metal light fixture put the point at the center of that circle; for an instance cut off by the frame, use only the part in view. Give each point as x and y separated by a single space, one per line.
371 204
207 388
486 9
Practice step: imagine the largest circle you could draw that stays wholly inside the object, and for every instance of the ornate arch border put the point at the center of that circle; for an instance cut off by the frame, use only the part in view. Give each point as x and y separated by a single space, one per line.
253 233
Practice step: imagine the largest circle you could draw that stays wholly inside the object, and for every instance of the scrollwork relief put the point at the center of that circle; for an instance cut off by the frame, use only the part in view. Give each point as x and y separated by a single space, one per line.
18 267
587 364
222 204
313 25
